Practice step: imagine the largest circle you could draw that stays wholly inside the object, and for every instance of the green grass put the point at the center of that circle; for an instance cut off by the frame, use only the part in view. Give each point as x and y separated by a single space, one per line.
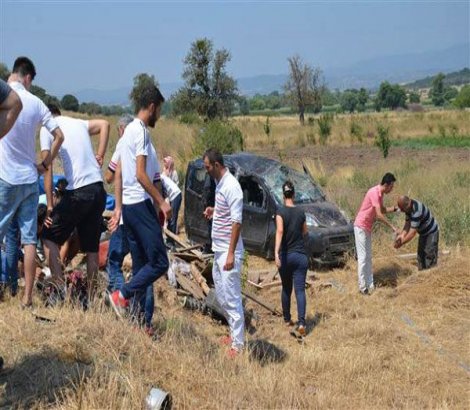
433 142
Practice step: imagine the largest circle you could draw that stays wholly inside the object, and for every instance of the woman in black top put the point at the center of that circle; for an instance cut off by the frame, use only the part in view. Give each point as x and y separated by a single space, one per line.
291 258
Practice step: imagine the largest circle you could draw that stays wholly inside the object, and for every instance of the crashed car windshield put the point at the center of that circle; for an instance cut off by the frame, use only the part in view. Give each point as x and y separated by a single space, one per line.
305 191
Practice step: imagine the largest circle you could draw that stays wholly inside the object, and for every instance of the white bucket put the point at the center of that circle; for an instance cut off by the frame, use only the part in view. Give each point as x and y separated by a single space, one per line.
158 400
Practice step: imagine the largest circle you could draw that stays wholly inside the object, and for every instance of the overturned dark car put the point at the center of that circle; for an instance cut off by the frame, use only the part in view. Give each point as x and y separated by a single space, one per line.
331 235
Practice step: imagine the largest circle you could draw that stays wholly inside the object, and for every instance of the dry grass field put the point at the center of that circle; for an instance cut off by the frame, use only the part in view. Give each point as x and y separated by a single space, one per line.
407 346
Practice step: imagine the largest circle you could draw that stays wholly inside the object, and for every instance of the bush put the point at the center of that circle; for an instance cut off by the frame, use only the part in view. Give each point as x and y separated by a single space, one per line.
190 118
311 138
382 139
325 123
220 135
356 131
463 98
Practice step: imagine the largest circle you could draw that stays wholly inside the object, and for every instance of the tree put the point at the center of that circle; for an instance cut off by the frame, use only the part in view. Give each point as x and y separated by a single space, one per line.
243 105
362 98
4 72
141 82
208 90
70 103
414 98
349 100
437 90
304 87
463 99
390 96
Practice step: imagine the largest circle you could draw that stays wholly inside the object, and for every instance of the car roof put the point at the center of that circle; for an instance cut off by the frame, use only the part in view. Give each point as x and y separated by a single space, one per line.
246 162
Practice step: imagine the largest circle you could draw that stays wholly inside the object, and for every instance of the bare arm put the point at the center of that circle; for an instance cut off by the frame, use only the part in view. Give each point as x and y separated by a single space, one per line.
279 233
9 111
109 176
48 188
381 217
147 184
116 219
236 229
100 127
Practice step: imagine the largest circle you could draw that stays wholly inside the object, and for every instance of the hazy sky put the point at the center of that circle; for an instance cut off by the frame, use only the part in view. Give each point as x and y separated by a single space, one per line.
91 44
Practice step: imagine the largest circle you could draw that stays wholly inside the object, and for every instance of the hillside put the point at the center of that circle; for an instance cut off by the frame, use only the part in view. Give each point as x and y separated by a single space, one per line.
455 78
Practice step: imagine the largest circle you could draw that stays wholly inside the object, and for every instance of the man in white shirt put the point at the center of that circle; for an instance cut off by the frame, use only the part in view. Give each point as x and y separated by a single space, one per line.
140 200
227 246
84 201
18 170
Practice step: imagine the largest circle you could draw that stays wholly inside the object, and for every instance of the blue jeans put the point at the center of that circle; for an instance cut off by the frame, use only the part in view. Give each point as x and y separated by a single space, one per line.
175 208
19 202
293 272
118 249
149 257
9 265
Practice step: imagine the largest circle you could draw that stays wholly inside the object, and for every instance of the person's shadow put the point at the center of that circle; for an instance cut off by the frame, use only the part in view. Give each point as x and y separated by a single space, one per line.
39 378
387 276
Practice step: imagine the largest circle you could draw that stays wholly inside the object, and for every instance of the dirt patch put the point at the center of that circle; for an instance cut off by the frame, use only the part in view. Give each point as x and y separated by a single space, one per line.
334 157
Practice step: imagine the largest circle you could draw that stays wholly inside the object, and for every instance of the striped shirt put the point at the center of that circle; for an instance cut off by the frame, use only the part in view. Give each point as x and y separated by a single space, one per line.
228 209
421 219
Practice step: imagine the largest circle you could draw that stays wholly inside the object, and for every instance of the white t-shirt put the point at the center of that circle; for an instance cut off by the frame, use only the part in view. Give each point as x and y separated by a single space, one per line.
78 159
228 209
18 147
135 142
170 189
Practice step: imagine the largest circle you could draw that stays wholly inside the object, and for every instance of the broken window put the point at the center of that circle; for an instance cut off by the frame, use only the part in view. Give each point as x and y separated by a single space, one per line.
196 179
305 190
253 193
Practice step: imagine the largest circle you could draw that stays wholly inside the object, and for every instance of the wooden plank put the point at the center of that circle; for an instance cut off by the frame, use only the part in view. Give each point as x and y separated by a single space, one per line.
189 248
254 284
269 277
199 279
189 286
181 243
260 302
188 257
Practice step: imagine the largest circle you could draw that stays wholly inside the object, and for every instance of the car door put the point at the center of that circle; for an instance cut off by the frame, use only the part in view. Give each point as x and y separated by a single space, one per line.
256 214
195 224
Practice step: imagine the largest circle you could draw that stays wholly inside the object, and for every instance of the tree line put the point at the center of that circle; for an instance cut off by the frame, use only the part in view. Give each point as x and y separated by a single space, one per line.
209 92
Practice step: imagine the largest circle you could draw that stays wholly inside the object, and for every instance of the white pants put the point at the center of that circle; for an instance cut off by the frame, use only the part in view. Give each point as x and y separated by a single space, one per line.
228 291
364 259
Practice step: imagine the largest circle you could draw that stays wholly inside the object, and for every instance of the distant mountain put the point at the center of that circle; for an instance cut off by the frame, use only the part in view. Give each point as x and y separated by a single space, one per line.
403 68
455 78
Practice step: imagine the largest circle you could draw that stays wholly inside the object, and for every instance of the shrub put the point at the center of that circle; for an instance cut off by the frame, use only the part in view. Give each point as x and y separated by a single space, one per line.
190 118
311 138
382 139
220 135
325 123
356 130
311 121
442 131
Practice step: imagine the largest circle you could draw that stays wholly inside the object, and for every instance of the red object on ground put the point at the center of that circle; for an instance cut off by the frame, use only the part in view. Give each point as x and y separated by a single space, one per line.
103 254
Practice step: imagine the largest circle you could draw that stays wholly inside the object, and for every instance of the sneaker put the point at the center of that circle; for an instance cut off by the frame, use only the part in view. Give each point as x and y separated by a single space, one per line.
118 303
225 340
289 323
364 291
149 331
301 330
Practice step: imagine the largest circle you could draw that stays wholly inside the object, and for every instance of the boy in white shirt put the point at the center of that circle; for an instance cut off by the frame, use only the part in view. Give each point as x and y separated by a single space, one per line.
19 190
84 201
140 200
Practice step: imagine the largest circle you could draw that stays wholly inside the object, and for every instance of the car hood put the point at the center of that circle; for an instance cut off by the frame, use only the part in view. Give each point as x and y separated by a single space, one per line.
326 213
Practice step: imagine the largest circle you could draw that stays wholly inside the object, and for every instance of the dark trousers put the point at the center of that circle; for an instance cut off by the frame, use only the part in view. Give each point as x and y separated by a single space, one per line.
173 222
118 249
428 249
149 257
293 272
